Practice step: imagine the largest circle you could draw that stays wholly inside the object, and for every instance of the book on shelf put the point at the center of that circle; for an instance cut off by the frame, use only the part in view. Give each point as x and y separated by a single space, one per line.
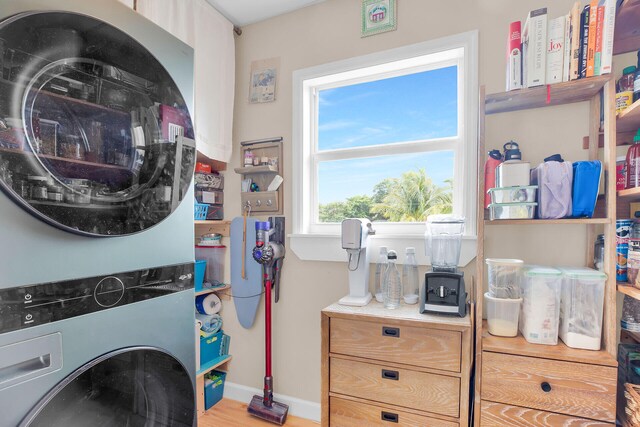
514 57
555 50
584 41
574 34
597 63
608 26
591 44
566 48
534 40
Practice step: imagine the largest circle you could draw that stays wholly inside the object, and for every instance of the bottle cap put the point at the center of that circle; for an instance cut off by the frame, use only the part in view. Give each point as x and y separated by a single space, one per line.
495 154
629 70
392 255
383 250
411 250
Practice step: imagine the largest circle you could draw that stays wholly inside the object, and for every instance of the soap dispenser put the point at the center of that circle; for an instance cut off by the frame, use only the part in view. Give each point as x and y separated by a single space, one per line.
513 171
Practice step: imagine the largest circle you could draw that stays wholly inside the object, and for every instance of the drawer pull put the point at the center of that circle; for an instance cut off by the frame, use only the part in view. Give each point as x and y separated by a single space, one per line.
390 332
390 375
389 417
546 387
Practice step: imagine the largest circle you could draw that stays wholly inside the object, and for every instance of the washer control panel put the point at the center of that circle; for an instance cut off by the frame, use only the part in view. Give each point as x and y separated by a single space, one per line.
33 305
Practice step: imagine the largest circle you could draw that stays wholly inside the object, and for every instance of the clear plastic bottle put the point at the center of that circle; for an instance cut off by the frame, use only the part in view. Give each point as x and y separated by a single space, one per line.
410 277
392 283
381 266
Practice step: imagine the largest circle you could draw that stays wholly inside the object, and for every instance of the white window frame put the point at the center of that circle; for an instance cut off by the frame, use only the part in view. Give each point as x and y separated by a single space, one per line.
459 50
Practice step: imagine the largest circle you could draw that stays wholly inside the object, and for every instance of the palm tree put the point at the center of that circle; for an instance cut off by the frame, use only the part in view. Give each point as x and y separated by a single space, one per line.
413 197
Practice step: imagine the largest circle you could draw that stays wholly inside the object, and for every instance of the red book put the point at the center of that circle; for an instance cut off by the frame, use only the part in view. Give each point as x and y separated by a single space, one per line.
514 57
597 63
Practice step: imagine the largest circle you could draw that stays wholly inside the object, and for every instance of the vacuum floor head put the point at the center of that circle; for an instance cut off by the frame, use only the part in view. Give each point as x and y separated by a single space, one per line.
276 413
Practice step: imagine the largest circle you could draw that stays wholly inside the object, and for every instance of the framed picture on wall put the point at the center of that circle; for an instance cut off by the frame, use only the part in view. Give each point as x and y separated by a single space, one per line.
264 74
378 16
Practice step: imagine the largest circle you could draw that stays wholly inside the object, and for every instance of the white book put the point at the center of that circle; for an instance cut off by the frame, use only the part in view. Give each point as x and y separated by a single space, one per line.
575 41
534 38
609 23
567 48
555 50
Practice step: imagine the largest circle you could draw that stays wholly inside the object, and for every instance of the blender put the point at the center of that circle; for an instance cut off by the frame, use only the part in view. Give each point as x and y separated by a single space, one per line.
444 291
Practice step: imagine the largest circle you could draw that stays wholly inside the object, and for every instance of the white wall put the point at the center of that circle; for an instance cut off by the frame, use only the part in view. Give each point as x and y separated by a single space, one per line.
328 32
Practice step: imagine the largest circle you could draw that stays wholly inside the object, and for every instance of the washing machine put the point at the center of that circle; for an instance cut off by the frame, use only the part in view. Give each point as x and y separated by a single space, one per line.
97 155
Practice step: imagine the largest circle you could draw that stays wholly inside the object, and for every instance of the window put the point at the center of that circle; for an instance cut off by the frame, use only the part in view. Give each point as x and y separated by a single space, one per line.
389 136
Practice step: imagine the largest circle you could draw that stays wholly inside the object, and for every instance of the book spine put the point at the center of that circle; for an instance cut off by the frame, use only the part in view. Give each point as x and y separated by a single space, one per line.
537 40
514 57
575 42
591 45
584 41
597 62
609 22
566 54
555 50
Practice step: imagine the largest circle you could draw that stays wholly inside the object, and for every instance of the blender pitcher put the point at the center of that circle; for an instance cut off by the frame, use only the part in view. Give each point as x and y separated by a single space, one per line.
443 240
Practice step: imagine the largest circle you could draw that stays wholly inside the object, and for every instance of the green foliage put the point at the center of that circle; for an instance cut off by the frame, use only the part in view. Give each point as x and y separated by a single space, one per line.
410 198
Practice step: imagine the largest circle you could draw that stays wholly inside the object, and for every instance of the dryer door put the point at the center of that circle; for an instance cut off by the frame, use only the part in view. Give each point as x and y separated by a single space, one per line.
95 137
131 387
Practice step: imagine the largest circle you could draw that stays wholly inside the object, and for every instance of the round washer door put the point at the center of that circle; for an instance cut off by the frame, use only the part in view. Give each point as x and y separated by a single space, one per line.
95 137
137 387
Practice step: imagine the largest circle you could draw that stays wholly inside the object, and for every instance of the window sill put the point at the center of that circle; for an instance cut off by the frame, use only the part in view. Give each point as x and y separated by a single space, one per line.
327 247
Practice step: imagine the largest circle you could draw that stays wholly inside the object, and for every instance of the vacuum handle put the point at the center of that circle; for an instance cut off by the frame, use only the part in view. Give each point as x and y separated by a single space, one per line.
390 332
389 417
390 375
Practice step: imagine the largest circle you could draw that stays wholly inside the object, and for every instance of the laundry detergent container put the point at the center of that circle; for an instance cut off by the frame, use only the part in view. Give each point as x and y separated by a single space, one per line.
581 307
540 315
502 315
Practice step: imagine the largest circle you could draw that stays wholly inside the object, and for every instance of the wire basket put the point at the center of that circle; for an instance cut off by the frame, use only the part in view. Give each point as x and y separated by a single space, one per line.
200 211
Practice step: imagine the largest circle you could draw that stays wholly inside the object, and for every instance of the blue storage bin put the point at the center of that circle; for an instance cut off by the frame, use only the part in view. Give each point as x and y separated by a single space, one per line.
586 182
213 346
213 388
198 276
200 211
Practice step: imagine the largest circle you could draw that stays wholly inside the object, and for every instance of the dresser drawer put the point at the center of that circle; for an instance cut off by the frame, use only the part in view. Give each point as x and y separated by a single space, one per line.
346 413
389 342
498 415
576 389
438 394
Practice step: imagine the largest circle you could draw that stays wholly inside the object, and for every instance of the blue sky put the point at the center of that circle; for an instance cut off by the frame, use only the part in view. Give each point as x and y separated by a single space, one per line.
407 108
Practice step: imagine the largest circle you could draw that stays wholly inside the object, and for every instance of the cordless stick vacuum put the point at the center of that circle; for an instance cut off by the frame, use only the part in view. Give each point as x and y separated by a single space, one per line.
270 255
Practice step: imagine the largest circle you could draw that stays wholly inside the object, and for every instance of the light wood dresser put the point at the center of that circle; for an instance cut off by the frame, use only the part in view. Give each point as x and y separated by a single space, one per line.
394 367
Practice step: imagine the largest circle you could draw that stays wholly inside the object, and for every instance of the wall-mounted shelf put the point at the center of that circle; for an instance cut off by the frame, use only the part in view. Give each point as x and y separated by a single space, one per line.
256 169
262 201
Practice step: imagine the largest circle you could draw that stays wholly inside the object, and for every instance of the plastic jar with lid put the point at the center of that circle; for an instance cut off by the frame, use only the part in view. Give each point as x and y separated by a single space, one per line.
625 83
540 316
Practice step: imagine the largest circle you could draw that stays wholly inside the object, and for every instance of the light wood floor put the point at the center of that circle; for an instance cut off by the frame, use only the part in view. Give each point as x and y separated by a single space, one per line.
231 413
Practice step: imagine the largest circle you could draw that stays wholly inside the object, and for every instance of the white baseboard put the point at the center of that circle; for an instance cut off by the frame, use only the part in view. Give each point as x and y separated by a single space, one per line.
298 407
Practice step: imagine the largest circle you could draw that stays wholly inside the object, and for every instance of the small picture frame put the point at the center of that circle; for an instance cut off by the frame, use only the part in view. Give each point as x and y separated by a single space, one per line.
378 16
264 75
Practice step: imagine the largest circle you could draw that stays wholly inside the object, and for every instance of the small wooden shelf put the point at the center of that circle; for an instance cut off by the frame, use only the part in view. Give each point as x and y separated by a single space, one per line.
627 33
629 119
627 289
210 290
521 347
560 93
214 226
548 221
629 194
256 169
210 366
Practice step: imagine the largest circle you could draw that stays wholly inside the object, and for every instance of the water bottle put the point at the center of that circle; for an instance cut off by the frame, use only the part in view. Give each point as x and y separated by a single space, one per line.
410 277
381 266
392 282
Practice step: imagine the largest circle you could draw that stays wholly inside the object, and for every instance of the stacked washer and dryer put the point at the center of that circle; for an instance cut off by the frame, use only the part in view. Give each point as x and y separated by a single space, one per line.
96 248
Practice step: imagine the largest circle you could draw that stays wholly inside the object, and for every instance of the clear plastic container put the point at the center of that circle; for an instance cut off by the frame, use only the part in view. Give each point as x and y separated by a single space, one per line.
502 315
512 210
504 277
526 194
410 278
392 283
381 266
443 240
581 307
214 255
540 315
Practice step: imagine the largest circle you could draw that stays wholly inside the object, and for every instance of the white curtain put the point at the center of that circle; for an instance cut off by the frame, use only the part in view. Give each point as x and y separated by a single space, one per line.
199 25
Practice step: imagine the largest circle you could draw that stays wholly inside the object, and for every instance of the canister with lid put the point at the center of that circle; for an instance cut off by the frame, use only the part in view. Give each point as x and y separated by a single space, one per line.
38 187
513 171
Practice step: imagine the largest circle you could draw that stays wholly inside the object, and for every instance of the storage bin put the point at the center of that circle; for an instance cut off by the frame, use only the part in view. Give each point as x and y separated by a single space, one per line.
522 194
586 182
512 210
214 256
581 307
200 211
554 180
213 388
502 315
504 277
213 346
198 274
540 315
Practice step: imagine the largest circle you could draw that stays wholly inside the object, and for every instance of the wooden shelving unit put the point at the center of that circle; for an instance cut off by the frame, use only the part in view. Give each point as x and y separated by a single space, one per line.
215 363
211 290
534 359
629 119
628 289
210 226
627 32
629 194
